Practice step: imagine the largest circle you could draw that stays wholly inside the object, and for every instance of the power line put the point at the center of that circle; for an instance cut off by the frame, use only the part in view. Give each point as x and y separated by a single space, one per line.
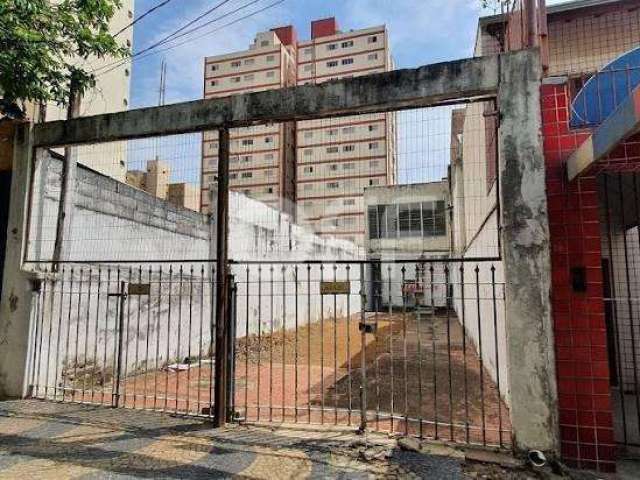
136 20
210 32
164 39
232 12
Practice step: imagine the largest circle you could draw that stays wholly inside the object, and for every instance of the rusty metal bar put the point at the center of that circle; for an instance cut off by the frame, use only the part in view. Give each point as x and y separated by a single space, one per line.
222 280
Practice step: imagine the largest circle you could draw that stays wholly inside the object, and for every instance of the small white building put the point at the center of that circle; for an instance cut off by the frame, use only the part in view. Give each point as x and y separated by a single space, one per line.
405 223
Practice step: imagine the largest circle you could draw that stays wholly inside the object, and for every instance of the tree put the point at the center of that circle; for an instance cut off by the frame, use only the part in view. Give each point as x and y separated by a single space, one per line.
45 45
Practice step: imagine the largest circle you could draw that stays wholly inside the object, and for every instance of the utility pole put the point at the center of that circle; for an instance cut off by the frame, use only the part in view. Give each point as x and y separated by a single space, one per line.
67 183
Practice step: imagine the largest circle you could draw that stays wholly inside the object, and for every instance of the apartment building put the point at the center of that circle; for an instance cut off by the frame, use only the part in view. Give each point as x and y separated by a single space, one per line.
110 94
338 158
183 195
156 181
262 158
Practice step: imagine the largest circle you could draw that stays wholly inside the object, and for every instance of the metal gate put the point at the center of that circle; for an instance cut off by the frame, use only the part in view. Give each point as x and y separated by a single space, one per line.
126 337
331 343
620 200
312 342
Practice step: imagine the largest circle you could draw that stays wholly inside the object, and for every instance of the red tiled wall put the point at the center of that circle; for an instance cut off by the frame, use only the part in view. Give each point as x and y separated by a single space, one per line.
586 422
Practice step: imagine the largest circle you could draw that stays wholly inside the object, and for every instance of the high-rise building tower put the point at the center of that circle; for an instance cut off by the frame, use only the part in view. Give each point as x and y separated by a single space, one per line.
109 94
338 158
262 158
316 170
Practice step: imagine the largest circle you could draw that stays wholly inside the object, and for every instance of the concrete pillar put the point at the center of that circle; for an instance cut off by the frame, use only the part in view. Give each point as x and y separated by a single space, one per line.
18 290
526 255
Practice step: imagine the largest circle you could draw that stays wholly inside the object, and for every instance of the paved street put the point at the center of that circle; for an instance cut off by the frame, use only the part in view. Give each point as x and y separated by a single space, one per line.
51 440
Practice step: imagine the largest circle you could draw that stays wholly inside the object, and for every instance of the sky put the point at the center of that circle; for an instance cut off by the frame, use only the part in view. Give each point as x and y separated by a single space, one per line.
420 31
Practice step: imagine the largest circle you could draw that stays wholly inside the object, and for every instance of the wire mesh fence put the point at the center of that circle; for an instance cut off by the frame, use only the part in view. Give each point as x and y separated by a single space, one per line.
364 256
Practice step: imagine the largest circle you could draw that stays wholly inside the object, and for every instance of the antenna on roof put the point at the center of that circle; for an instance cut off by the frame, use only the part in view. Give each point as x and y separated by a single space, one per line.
163 82
162 93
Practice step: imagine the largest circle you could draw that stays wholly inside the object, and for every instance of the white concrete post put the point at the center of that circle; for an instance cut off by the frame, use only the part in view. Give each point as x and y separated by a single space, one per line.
18 295
526 256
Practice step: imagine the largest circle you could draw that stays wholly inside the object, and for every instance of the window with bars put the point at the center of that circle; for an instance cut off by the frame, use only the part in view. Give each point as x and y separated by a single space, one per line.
407 220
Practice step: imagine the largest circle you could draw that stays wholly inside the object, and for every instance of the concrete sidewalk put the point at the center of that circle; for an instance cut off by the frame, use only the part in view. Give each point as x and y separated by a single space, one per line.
52 440
47 440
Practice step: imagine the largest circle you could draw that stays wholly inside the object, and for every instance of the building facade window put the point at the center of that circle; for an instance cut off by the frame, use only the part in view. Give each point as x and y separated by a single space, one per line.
347 61
373 39
333 63
348 148
372 56
235 64
426 219
332 149
347 44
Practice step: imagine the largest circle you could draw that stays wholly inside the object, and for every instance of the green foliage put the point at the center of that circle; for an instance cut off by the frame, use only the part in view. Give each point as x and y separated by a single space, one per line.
45 46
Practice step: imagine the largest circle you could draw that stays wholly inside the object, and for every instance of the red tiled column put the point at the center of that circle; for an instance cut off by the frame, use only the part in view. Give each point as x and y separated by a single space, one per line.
586 422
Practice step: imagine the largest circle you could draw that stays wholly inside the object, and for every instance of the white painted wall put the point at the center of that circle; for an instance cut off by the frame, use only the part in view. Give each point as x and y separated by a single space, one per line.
475 236
114 221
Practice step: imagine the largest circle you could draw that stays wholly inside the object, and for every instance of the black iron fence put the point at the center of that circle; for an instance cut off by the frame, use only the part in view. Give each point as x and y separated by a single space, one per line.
414 347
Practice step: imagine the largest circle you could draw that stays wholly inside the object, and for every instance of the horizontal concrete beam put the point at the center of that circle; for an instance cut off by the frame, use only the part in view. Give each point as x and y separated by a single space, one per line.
401 89
620 125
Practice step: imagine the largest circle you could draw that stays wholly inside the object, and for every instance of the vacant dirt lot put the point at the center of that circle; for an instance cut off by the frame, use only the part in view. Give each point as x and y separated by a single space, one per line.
422 377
